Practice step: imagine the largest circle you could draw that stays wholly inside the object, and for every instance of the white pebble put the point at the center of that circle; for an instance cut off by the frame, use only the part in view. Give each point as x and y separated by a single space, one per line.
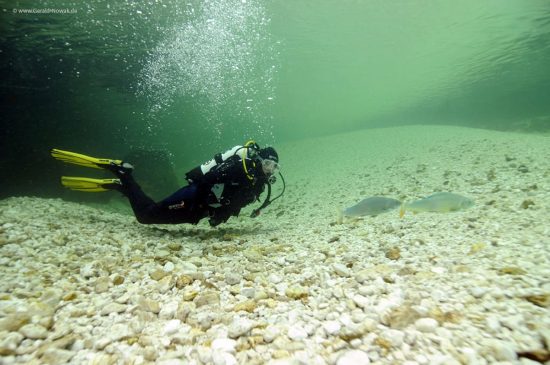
427 325
168 310
123 299
224 345
206 319
395 337
188 267
248 292
338 292
168 267
478 292
332 327
497 293
513 322
119 331
444 333
341 270
493 323
34 331
232 278
274 278
223 358
169 362
353 357
102 343
204 355
442 359
271 333
438 270
470 355
171 327
239 327
88 271
361 301
9 343
297 333
363 276
78 345
112 308
501 350
421 359
56 356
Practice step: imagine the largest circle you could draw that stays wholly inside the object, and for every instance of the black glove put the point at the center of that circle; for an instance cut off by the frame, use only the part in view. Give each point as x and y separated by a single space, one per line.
217 217
214 221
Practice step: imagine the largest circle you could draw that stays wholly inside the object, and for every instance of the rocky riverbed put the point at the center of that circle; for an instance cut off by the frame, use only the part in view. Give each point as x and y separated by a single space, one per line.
298 285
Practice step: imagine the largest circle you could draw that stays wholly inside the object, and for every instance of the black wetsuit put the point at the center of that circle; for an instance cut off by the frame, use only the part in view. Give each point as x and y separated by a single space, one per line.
219 194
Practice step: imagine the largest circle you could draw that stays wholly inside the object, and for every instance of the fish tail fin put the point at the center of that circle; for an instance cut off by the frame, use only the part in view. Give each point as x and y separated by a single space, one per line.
402 210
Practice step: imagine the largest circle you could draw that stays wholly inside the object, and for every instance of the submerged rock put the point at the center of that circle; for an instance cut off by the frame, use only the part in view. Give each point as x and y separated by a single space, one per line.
208 297
239 327
426 325
34 331
55 356
247 305
297 292
353 357
148 305
9 343
14 321
112 308
393 253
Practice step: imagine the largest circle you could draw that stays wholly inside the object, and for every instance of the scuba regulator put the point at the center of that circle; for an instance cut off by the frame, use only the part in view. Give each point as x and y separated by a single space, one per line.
253 150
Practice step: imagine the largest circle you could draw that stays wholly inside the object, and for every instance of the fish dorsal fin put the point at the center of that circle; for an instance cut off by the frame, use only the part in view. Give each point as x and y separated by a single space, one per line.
340 216
402 210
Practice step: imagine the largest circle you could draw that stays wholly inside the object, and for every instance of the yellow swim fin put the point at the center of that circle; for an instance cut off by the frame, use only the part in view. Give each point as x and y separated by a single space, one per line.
90 185
84 160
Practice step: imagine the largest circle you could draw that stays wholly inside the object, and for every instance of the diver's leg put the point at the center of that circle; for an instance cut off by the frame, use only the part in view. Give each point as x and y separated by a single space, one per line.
182 206
171 210
145 209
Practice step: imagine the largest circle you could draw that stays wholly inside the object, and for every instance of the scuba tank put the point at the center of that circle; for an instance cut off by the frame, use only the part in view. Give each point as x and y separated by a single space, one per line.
248 151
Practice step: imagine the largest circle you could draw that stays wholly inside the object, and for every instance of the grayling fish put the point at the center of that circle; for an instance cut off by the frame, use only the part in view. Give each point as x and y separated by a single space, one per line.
438 202
372 206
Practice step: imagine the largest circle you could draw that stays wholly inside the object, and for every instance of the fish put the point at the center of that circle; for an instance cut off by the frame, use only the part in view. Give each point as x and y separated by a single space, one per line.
372 206
439 203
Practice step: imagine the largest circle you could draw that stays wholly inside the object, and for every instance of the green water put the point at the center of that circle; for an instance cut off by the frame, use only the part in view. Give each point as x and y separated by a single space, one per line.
192 78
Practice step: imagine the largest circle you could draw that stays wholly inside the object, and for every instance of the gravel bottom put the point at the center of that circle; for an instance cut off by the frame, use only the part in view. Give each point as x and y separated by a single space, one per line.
299 285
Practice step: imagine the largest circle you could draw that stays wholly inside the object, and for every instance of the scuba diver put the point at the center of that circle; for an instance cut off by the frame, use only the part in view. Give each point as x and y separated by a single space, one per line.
217 189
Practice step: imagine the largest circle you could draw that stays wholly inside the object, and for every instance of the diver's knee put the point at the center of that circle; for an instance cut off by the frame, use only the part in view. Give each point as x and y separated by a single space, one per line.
145 220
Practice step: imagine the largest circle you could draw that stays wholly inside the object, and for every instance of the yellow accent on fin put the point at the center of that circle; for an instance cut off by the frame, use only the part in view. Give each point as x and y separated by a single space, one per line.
88 184
82 160
402 210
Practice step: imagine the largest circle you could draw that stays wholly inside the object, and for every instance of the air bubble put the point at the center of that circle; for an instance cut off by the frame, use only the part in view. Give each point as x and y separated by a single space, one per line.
221 52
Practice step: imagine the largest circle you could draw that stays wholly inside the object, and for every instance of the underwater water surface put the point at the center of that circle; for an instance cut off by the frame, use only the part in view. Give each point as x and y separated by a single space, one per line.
192 78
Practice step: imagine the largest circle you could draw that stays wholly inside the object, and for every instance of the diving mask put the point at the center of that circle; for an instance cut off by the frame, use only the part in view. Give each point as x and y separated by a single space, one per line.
270 167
